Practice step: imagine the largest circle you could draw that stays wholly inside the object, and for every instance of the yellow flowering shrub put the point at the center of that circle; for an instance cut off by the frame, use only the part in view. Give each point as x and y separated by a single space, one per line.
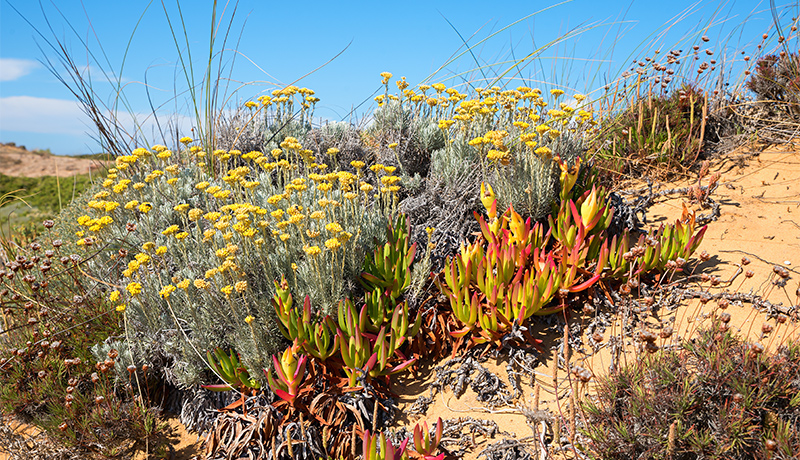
216 230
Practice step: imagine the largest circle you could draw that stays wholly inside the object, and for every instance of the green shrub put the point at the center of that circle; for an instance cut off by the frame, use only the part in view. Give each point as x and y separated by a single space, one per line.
776 83
714 397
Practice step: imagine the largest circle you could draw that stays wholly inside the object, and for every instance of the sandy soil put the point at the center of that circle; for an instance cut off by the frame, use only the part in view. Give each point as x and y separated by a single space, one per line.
760 219
16 161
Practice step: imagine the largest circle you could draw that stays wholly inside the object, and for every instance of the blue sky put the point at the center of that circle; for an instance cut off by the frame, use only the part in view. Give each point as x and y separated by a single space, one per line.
280 42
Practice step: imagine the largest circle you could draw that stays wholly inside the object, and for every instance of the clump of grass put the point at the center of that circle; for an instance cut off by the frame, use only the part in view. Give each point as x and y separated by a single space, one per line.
713 397
655 136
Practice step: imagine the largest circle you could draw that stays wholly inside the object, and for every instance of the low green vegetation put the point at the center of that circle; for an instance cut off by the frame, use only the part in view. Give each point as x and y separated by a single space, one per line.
27 201
46 194
714 397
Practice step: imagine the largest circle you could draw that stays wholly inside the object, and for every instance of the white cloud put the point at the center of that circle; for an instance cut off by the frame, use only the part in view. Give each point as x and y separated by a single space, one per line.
12 69
65 116
41 115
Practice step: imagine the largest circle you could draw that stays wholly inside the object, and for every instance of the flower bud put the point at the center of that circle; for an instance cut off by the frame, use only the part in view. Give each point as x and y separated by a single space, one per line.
488 199
590 207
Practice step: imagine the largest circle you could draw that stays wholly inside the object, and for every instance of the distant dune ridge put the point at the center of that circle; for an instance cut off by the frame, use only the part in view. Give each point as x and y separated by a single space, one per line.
19 162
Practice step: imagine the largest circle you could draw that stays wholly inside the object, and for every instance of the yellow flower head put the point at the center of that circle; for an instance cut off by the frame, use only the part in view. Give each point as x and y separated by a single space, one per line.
134 288
333 227
166 291
110 205
312 250
445 124
495 155
201 284
402 84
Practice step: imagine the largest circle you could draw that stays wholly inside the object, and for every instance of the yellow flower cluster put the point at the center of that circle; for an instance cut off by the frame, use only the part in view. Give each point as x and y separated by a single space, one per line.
134 288
314 211
166 291
95 225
